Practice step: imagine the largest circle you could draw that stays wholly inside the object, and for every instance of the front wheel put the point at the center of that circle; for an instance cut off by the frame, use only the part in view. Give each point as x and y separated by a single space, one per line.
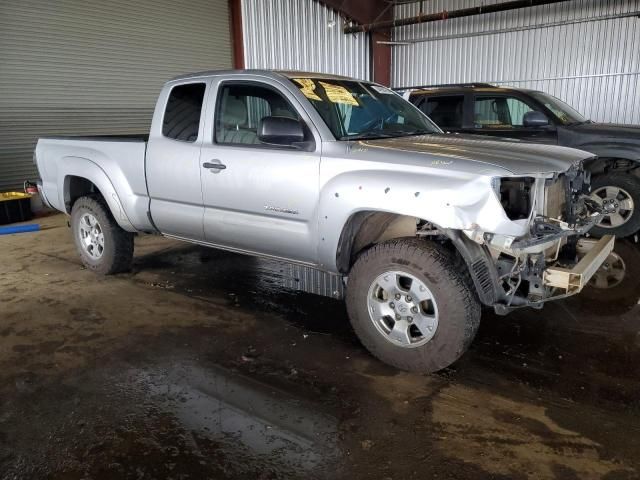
411 306
619 196
103 246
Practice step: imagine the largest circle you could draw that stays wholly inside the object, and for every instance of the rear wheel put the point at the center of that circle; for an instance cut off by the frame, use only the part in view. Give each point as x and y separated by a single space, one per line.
410 306
619 196
103 246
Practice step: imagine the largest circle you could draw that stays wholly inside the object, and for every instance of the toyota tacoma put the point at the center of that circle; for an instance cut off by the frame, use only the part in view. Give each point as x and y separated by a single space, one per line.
347 177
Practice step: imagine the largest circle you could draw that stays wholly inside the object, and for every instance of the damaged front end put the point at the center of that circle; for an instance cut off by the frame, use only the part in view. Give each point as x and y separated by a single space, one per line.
547 262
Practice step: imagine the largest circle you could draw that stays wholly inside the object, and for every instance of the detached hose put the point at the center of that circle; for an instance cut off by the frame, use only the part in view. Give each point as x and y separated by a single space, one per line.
34 227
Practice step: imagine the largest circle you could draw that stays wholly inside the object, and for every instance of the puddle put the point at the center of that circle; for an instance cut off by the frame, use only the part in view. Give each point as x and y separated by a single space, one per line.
250 422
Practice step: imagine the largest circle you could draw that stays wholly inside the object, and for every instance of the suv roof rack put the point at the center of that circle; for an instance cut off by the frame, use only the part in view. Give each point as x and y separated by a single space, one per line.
442 85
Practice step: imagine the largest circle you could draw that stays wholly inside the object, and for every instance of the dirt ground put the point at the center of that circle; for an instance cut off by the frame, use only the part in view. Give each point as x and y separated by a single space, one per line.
204 364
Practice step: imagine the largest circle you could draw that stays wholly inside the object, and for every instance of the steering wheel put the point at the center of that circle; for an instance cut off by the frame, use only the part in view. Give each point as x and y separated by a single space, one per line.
378 122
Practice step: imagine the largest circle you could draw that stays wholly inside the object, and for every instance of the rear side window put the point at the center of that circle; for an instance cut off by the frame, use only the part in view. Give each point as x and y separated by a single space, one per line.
182 115
446 112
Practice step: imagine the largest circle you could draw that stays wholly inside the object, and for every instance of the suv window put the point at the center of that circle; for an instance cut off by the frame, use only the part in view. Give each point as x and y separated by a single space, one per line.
182 114
446 112
499 112
240 109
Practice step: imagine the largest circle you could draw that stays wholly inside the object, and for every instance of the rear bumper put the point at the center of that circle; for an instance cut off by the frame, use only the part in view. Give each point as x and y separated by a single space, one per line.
573 280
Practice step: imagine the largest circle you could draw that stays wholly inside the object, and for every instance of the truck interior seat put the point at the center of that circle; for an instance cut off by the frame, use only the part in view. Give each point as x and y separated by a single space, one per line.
234 123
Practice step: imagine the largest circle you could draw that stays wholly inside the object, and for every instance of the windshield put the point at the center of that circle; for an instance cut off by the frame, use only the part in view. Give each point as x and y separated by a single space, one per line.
565 113
356 110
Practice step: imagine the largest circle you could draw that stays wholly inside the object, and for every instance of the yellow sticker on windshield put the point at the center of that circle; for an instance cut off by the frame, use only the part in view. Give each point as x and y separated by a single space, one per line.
338 94
308 87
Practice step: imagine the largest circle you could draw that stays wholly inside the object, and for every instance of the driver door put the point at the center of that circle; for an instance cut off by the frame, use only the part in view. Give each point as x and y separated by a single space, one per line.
258 198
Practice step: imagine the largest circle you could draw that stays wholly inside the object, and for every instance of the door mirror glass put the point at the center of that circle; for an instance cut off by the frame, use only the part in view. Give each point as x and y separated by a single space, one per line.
535 119
282 131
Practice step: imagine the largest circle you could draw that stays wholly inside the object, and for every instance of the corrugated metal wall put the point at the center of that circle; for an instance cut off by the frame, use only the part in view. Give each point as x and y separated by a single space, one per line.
301 35
593 65
93 67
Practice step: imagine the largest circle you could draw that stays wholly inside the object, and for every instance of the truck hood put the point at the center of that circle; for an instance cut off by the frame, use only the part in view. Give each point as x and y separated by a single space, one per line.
517 158
610 130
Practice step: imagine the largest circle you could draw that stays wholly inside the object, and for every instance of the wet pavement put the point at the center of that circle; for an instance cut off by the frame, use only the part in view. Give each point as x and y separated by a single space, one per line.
205 364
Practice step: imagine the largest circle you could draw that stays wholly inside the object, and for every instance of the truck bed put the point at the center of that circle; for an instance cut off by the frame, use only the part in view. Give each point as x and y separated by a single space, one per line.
114 164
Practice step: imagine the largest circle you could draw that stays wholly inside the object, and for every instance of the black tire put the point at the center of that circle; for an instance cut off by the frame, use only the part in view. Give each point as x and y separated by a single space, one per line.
457 304
118 243
631 184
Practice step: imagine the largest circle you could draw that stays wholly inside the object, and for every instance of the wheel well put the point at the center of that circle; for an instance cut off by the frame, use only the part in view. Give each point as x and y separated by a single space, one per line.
76 187
364 229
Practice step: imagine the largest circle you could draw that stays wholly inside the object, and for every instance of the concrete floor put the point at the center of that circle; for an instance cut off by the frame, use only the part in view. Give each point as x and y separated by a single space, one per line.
198 364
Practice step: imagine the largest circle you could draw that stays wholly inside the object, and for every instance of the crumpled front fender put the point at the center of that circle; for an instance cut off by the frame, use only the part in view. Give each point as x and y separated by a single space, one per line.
456 201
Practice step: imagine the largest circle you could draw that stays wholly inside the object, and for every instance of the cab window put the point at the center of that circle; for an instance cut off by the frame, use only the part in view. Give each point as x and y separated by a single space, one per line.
240 107
499 112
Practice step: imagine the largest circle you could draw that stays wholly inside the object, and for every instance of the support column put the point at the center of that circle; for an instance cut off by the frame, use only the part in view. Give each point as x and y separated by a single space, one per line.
237 43
369 11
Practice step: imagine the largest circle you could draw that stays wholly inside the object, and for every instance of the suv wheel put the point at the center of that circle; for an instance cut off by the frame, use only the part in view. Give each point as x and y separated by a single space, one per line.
411 306
619 195
103 246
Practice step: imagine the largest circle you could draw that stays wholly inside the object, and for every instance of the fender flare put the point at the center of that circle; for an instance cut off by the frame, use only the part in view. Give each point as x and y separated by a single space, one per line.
82 167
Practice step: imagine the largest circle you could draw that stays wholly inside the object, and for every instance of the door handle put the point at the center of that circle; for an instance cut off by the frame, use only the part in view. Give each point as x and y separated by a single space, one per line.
216 166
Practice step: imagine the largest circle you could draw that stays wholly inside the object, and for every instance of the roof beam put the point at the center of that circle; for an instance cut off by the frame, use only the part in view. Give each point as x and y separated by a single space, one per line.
445 15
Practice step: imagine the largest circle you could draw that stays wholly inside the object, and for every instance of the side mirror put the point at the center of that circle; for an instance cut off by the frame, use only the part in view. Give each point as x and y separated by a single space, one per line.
283 131
535 119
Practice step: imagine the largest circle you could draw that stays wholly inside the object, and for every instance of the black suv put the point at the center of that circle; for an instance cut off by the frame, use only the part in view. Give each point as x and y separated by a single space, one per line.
533 116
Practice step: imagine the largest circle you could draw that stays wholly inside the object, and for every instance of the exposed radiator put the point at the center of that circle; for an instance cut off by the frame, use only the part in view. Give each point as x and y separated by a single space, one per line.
555 199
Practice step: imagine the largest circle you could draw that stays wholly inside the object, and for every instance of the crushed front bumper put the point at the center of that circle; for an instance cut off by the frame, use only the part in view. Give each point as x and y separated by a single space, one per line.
572 280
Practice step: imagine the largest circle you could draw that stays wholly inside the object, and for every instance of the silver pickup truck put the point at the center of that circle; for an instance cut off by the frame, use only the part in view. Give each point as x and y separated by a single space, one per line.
347 177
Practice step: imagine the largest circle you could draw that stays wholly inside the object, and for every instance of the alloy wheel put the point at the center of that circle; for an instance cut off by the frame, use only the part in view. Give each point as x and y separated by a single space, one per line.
403 309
